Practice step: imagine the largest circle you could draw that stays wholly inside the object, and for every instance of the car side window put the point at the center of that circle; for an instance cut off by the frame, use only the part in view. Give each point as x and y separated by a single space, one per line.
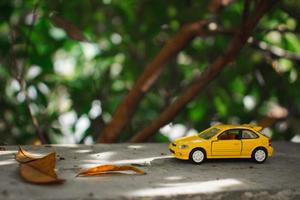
229 135
247 134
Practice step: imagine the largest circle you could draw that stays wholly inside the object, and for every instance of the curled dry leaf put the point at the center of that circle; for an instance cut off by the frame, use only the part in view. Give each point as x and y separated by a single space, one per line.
72 31
99 170
39 170
23 156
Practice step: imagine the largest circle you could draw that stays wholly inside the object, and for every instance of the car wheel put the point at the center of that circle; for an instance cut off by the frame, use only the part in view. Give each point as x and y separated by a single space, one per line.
259 155
197 156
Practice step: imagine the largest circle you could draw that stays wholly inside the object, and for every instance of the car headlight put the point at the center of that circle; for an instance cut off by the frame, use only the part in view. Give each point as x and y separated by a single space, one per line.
184 146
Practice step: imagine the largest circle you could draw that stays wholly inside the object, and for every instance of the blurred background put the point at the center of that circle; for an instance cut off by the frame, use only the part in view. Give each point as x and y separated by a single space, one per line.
66 65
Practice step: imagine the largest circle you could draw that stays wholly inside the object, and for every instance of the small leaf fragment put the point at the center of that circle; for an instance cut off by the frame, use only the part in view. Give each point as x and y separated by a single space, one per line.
99 170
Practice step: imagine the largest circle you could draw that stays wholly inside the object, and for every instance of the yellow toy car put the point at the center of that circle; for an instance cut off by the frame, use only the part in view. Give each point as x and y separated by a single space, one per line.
224 141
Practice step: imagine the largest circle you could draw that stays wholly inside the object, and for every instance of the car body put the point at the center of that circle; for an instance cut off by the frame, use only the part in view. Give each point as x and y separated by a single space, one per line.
224 141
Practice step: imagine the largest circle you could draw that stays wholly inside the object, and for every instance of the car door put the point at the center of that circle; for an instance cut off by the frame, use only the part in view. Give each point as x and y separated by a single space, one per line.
228 144
249 142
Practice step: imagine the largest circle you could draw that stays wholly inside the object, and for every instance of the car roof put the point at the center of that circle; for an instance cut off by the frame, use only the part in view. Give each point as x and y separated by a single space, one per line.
238 126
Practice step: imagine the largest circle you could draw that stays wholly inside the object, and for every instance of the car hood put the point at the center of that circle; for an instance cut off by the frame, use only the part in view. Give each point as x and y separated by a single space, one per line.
188 139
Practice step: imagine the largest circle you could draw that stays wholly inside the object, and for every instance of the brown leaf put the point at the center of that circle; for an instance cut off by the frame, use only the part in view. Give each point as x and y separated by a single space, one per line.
72 31
99 170
23 156
39 170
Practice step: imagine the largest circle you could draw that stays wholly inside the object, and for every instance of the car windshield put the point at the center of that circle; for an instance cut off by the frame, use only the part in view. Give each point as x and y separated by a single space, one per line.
208 133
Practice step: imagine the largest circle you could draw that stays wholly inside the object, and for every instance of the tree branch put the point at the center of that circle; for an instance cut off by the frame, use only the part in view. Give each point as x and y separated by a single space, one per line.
274 50
20 75
246 11
235 46
128 106
152 71
261 45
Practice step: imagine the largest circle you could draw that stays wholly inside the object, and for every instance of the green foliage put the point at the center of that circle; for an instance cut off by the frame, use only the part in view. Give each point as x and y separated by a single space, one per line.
66 79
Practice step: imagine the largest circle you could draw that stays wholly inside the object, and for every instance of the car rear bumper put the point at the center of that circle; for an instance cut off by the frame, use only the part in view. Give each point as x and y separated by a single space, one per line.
270 151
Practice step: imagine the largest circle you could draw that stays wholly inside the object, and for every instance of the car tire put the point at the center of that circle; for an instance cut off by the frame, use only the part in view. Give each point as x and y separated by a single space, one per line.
197 156
259 155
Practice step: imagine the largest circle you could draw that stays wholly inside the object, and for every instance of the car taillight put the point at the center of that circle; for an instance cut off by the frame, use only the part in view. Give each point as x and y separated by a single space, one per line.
270 142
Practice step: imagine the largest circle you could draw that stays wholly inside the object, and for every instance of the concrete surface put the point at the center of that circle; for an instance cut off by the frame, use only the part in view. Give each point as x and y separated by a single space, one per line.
167 177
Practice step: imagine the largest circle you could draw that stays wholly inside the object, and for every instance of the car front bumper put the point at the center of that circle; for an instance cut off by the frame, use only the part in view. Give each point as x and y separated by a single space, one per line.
182 154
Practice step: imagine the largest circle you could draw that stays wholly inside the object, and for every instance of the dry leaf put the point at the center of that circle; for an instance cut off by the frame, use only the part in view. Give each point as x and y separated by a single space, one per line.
39 170
72 31
23 156
99 170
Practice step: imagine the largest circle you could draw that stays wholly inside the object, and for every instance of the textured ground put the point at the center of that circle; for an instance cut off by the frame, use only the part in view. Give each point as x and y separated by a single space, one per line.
277 178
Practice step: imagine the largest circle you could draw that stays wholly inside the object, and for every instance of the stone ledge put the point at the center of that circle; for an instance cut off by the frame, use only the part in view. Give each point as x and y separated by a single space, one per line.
167 177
